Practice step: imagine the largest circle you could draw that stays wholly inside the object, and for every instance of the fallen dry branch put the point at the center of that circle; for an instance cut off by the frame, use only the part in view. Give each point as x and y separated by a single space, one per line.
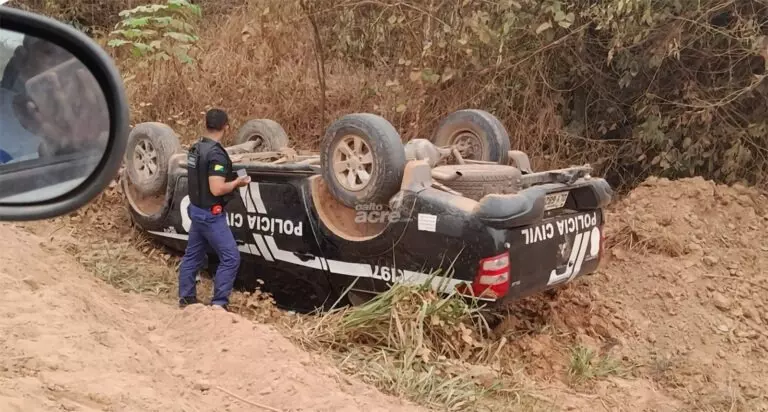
252 403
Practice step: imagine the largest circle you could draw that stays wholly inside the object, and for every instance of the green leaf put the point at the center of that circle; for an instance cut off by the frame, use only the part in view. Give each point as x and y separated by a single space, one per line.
163 20
151 9
179 3
143 48
184 58
131 33
182 26
182 37
137 22
117 42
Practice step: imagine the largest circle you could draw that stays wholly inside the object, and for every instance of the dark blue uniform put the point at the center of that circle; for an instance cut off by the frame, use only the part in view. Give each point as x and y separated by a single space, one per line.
209 224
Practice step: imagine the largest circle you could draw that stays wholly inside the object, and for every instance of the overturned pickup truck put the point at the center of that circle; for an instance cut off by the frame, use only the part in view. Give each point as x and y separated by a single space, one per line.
368 211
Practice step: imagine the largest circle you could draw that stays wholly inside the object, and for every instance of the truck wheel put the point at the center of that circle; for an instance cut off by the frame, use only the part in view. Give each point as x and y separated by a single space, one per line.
270 135
150 147
479 135
363 159
475 180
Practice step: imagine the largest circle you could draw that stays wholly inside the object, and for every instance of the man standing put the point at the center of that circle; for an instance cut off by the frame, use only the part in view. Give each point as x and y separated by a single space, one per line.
209 166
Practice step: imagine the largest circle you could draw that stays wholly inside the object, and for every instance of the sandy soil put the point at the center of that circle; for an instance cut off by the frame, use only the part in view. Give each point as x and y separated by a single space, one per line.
70 342
680 305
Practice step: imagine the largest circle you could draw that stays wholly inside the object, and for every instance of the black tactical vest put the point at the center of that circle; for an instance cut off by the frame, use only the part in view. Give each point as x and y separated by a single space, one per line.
197 174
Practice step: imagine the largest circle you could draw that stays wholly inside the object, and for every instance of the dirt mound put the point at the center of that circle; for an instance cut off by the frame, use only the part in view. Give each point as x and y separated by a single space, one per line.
688 289
681 301
71 342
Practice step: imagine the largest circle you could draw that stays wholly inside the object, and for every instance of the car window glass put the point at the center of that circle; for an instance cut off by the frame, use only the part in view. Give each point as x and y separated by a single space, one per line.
54 120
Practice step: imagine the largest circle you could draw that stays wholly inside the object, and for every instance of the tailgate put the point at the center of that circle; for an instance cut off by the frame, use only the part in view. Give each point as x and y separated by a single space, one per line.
554 251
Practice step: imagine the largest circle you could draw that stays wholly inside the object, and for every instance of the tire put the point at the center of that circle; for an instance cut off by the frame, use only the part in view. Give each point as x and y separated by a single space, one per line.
475 181
272 136
384 166
489 138
150 144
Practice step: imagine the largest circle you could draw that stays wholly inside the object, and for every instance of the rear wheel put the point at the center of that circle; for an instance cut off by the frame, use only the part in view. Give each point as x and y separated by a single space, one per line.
478 134
269 135
363 159
150 147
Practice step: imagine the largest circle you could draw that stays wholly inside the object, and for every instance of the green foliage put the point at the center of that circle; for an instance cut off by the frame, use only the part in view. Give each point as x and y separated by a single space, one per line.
639 87
585 364
408 341
158 31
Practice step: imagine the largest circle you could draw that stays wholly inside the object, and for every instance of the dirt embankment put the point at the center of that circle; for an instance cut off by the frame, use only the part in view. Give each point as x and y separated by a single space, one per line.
70 342
686 291
676 319
680 304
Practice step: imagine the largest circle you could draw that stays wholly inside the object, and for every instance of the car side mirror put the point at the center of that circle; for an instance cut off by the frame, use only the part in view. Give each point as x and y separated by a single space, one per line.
63 117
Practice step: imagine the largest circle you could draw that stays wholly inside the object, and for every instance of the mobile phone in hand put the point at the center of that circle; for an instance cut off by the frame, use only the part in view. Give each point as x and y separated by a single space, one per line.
241 172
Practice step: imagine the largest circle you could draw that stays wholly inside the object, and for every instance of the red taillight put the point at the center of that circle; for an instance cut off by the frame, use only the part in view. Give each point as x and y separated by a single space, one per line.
492 279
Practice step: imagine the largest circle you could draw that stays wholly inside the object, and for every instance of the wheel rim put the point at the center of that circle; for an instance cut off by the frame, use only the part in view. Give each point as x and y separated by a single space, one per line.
469 144
145 159
353 163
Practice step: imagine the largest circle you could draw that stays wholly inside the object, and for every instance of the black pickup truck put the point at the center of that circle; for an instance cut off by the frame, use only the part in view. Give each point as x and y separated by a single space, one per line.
301 233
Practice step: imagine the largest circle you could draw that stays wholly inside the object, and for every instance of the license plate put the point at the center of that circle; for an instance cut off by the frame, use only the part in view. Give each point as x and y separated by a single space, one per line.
555 200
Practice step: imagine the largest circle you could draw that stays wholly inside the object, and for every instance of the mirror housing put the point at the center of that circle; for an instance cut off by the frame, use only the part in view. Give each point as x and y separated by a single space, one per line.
105 73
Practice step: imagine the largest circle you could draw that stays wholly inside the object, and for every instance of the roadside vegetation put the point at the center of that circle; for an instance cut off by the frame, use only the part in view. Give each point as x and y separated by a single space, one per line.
635 87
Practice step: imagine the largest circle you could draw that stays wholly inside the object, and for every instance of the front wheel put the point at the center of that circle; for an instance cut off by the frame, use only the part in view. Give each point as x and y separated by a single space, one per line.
363 159
148 151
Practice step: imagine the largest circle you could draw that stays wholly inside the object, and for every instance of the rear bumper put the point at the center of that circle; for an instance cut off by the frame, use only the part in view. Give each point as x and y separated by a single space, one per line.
529 205
554 252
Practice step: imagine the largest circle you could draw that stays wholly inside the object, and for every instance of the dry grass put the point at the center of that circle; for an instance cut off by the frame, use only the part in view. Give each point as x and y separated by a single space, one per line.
410 342
253 65
632 236
122 265
259 61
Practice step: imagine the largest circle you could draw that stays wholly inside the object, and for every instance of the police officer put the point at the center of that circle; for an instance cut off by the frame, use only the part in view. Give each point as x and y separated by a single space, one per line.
209 168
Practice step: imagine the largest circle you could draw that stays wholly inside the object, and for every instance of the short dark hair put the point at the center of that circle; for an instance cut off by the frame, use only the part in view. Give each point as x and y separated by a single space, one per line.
216 119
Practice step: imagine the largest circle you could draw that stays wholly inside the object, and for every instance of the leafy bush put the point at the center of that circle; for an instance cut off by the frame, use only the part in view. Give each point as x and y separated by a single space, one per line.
158 31
641 87
636 87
